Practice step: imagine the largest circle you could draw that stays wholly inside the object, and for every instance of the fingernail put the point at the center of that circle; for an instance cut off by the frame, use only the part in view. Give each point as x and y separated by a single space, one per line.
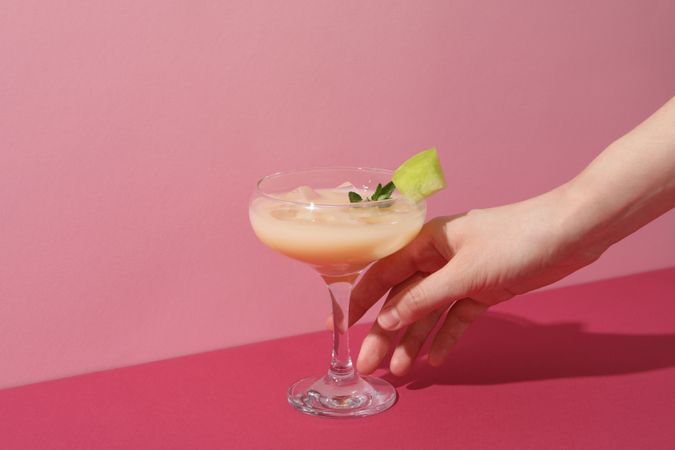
388 319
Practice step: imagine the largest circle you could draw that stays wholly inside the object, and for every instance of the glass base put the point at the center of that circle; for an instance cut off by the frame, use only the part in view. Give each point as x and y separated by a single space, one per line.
354 397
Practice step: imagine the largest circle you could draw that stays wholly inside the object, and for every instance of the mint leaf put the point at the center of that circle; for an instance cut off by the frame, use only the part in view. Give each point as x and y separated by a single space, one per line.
354 197
384 193
381 193
387 190
378 192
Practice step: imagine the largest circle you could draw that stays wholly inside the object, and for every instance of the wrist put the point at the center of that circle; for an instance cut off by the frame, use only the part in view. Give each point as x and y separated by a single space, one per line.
583 225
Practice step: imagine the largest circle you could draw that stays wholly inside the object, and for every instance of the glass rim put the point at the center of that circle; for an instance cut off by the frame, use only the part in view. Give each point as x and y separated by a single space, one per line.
370 204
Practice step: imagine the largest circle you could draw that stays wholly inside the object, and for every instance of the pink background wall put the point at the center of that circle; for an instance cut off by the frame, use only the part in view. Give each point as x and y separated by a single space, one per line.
132 132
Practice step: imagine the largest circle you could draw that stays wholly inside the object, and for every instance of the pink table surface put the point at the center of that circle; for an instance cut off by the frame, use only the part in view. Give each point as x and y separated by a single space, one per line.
587 367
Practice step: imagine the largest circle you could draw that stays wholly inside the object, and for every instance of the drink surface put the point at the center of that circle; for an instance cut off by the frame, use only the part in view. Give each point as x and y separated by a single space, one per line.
321 227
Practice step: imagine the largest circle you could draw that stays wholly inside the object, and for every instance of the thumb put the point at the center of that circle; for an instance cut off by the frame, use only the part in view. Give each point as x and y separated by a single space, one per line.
417 299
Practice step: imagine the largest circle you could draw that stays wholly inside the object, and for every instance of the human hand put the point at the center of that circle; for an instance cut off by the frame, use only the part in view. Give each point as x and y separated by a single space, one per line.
459 266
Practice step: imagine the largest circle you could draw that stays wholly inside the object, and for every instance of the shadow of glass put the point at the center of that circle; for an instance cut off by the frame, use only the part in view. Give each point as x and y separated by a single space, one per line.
501 348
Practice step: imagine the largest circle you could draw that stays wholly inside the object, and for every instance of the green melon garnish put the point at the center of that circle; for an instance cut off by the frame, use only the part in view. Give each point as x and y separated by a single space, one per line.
420 176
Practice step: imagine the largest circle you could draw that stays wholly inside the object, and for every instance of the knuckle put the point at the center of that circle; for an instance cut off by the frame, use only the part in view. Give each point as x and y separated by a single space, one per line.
455 329
416 334
463 317
451 340
415 300
468 311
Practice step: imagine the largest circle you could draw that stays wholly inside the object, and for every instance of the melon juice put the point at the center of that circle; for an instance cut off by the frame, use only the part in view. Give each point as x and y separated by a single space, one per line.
322 228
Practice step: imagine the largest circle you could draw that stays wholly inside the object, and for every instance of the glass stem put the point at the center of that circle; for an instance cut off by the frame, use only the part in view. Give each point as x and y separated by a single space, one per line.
340 289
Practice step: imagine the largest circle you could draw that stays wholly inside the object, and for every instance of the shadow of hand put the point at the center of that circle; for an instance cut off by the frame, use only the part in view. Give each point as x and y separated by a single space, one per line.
501 348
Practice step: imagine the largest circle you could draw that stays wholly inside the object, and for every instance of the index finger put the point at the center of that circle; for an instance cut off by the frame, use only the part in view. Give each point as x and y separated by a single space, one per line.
418 256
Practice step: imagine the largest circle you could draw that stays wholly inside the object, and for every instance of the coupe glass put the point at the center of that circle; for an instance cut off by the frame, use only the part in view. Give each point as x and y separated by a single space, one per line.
306 215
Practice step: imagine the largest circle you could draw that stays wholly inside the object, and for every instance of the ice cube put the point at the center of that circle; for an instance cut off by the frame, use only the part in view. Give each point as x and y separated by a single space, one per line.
284 212
306 214
325 217
365 215
347 186
303 194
